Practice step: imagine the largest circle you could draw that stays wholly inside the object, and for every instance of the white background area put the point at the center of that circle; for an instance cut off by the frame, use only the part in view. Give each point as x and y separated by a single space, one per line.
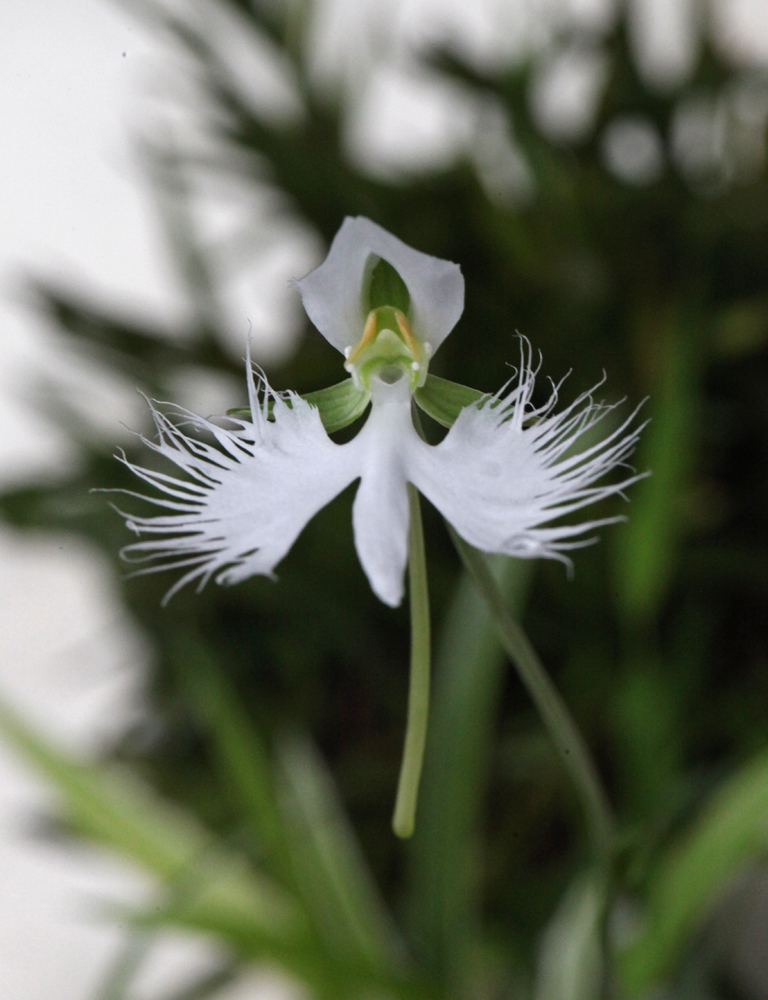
75 206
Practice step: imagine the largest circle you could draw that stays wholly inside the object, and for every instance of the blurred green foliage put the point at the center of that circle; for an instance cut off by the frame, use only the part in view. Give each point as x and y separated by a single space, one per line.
277 710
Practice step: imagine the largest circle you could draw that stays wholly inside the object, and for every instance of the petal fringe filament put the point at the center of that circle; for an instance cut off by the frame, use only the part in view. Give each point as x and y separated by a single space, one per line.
504 472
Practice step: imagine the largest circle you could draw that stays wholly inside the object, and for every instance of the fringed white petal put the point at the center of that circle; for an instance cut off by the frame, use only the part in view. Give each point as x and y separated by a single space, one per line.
380 513
243 503
501 475
505 469
333 293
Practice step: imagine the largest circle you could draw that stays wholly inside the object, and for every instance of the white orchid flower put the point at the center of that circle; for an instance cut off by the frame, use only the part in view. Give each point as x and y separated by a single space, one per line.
503 473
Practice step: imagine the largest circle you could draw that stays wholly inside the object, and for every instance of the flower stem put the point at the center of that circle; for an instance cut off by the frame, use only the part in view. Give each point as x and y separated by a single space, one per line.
404 817
551 707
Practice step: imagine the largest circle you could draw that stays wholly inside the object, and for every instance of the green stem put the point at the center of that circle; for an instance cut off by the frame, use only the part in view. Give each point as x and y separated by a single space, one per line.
552 709
404 817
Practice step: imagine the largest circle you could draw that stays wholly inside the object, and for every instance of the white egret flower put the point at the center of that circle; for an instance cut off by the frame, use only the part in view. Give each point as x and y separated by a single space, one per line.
503 473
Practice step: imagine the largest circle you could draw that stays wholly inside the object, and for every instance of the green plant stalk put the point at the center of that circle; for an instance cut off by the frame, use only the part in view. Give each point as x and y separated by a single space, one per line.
443 888
568 741
404 818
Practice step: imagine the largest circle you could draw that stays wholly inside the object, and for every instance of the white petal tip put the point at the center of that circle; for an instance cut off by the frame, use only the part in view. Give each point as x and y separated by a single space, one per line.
391 598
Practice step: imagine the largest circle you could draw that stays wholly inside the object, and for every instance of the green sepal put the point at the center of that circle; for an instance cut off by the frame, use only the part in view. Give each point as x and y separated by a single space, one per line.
339 405
444 400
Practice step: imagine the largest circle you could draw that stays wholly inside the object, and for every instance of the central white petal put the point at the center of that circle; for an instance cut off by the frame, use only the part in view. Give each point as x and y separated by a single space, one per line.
380 512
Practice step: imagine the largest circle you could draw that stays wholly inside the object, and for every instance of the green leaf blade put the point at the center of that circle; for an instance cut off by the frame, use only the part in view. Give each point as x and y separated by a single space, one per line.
731 830
570 965
335 881
116 810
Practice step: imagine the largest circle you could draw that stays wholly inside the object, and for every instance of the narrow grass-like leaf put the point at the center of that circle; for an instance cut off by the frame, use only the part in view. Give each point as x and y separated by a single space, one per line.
731 829
316 850
645 548
570 963
210 887
126 965
207 987
335 880
117 811
240 751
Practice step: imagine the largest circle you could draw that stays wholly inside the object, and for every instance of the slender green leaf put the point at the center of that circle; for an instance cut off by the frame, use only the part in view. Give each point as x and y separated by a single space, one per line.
316 850
126 965
208 986
570 959
731 830
335 880
241 753
210 888
645 549
170 185
116 810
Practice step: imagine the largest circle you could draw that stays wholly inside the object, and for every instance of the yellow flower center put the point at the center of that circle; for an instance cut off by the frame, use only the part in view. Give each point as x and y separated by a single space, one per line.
388 348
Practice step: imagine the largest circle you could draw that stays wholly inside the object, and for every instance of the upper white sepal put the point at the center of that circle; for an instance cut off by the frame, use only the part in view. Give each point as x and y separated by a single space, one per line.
333 294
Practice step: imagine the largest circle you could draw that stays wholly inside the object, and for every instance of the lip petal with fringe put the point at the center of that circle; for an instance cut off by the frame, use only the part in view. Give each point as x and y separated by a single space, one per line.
503 473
